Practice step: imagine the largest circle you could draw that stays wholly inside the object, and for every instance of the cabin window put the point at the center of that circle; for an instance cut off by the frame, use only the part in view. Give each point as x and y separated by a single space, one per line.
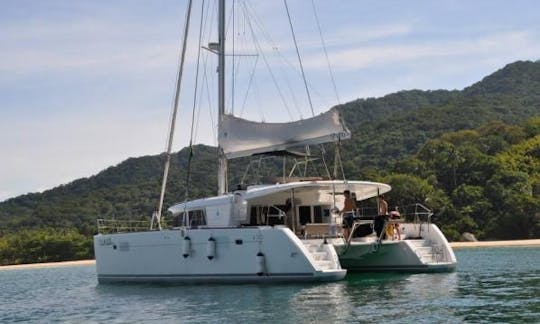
197 218
253 216
304 213
317 214
326 214
178 220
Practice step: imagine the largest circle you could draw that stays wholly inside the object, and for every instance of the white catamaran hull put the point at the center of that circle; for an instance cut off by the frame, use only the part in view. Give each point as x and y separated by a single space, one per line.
425 250
249 254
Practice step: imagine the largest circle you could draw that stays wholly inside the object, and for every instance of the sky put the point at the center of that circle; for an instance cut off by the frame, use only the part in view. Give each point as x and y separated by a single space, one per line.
85 85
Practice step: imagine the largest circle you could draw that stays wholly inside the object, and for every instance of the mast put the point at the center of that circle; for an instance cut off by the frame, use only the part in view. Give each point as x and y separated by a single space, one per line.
222 166
156 216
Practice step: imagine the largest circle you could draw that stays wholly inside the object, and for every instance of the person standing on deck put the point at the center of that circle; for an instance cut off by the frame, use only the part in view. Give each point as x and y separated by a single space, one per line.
382 215
349 206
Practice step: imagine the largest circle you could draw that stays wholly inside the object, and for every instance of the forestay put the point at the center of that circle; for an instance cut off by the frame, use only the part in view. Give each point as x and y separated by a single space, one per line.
239 137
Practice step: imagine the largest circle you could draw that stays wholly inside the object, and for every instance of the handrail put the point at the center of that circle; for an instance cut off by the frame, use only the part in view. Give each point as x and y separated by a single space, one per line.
106 226
418 212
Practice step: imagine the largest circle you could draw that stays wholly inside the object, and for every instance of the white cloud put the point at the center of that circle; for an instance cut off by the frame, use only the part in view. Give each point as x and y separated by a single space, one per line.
439 65
90 44
507 45
355 34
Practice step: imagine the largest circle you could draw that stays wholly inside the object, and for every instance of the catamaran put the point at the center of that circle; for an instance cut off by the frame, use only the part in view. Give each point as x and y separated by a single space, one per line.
215 241
286 231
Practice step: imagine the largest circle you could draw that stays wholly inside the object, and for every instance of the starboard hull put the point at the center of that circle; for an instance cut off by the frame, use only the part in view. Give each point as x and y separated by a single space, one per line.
428 252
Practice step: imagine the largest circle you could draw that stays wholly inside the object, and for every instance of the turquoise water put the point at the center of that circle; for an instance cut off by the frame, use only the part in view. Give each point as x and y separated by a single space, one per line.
490 285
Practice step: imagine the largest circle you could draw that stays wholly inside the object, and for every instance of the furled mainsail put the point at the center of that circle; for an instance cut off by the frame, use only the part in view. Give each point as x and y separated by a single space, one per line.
239 137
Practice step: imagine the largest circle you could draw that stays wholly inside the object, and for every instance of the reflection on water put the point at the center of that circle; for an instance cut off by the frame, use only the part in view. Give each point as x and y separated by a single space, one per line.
402 297
490 285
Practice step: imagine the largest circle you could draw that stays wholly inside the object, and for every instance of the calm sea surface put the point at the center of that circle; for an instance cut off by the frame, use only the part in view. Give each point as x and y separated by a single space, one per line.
490 285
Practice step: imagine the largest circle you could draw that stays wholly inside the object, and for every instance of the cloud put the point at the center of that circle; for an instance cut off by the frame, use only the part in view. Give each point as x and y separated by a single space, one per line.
90 45
453 64
354 34
507 45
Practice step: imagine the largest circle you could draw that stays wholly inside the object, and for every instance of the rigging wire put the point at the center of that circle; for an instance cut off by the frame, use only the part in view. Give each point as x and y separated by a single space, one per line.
249 85
233 63
204 82
305 82
262 29
299 58
284 72
333 84
282 68
190 156
240 61
257 94
239 65
330 70
293 67
259 48
325 50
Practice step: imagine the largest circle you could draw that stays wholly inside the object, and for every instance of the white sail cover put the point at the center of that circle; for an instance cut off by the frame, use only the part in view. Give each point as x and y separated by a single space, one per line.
239 137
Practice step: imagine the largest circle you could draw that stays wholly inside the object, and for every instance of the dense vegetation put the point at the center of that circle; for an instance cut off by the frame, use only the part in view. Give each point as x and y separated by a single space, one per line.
472 156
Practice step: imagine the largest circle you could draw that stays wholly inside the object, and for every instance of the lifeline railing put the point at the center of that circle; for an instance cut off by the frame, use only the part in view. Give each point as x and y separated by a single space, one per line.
415 213
106 226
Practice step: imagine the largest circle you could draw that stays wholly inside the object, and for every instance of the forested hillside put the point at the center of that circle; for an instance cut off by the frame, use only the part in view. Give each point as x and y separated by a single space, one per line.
473 156
386 129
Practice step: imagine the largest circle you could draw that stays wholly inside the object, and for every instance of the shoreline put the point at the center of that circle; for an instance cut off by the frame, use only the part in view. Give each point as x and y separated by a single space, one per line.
454 245
479 244
48 265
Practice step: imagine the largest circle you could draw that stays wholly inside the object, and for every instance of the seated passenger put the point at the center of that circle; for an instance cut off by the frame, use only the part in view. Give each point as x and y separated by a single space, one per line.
395 228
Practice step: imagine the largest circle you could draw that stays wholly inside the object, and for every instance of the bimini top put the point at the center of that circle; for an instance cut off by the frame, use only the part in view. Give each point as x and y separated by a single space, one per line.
239 137
362 189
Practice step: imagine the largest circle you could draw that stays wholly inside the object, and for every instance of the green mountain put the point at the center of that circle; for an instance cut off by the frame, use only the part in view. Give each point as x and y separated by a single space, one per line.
444 146
387 129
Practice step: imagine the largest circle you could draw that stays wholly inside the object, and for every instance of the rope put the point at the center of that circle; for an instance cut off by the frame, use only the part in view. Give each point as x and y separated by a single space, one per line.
340 162
323 156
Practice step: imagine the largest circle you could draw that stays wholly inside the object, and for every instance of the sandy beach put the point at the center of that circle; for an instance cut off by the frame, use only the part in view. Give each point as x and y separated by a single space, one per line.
479 244
454 245
48 264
